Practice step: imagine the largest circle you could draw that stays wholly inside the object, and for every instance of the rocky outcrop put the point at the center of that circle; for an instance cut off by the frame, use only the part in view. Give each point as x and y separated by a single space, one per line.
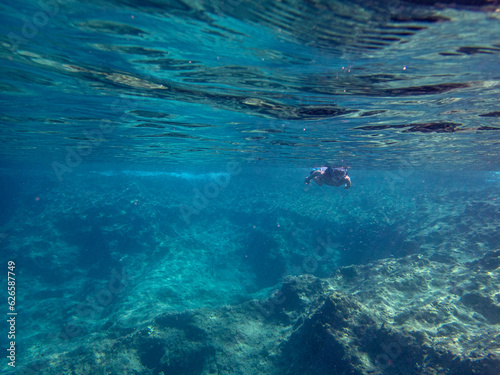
396 316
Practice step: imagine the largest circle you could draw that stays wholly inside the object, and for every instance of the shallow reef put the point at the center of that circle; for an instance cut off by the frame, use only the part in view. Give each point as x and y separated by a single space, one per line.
398 275
412 315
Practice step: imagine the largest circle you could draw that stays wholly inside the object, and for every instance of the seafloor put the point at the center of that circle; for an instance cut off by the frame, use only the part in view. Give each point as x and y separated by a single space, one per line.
136 274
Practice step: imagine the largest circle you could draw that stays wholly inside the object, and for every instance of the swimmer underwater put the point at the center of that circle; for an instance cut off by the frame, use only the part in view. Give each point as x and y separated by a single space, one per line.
329 176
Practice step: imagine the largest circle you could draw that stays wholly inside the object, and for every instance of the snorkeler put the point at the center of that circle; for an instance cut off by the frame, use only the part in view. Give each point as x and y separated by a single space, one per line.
330 176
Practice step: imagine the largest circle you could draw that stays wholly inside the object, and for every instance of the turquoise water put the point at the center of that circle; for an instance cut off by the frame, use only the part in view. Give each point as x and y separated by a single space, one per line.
154 153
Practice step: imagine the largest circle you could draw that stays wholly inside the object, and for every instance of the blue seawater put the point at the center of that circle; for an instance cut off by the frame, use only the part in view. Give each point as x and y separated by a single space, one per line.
153 157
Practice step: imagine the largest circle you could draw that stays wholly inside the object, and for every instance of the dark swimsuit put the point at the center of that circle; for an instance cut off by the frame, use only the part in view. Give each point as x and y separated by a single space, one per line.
338 174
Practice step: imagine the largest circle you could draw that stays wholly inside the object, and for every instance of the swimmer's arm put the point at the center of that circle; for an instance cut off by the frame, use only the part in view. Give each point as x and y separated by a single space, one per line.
347 182
312 175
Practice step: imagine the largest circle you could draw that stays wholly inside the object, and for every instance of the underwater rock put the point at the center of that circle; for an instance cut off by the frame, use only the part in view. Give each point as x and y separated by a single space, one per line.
395 316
